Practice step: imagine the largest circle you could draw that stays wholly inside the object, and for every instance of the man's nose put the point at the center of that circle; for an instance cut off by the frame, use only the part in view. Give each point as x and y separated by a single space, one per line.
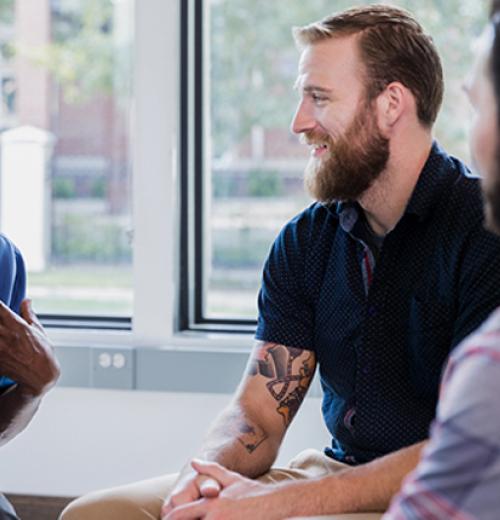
303 119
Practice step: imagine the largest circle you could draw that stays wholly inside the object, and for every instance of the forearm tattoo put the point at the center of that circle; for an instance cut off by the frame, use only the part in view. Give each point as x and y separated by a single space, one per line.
289 371
251 436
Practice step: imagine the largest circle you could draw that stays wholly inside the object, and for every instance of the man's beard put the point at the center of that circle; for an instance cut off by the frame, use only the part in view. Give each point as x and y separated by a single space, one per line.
491 192
355 159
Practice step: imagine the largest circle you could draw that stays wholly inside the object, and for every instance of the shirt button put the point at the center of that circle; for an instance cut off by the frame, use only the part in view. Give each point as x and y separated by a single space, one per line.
372 310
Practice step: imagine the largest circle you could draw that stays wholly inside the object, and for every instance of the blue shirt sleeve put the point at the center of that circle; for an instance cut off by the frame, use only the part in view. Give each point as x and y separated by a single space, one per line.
19 288
13 275
285 312
12 283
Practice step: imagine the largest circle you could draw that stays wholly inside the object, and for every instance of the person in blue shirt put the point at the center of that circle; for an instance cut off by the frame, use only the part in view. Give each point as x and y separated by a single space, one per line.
375 283
28 366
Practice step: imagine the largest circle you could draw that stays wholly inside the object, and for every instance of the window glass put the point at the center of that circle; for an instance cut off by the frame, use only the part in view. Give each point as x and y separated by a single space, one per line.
65 79
256 164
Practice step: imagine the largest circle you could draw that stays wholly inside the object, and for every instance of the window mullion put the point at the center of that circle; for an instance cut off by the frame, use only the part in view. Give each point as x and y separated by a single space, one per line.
154 185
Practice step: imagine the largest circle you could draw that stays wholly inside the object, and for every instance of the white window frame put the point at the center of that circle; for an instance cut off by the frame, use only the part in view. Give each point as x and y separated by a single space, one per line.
155 193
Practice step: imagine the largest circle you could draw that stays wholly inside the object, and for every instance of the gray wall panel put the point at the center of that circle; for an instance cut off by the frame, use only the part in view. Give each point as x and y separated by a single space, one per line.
189 371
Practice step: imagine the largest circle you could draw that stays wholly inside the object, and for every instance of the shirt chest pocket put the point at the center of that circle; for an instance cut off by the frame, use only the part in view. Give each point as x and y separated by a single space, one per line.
430 333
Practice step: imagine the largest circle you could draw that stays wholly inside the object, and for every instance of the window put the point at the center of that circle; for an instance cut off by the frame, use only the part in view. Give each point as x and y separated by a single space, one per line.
70 73
245 165
66 94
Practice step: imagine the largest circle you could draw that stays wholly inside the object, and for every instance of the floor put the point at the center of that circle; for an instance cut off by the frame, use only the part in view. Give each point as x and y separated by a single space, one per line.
38 508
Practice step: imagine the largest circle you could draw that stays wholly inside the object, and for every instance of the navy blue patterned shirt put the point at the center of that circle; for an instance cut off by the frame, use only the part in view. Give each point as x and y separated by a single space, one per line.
381 348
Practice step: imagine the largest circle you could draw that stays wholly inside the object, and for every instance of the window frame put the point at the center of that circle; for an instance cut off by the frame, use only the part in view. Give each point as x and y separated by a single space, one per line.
195 170
167 179
57 322
155 118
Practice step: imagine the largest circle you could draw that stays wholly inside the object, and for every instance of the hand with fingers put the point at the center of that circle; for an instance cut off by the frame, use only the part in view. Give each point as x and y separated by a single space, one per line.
189 488
240 498
26 354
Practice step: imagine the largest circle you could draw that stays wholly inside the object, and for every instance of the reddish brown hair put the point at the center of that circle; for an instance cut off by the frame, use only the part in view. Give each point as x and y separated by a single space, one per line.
393 46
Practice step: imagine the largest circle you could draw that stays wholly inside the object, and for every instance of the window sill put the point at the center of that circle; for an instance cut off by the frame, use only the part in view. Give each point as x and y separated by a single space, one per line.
190 362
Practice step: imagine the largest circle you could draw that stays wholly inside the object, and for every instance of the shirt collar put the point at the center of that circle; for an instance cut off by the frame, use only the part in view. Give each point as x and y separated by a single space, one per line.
347 213
436 175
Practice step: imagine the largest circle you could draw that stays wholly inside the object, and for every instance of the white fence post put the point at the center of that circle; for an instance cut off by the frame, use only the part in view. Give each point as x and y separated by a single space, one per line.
25 192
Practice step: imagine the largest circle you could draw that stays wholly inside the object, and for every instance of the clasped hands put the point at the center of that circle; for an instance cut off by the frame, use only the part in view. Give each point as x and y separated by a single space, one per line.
215 493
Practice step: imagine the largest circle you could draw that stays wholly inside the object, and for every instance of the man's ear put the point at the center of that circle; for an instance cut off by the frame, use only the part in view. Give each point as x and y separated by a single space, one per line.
391 105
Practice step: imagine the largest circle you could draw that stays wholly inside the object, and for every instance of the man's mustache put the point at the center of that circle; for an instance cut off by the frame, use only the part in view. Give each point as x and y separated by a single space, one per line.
315 138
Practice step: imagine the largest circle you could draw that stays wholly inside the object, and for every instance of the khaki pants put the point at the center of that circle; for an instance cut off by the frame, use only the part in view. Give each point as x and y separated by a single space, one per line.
143 500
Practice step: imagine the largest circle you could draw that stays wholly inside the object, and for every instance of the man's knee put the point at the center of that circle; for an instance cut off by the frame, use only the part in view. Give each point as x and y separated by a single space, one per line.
138 501
304 458
96 506
84 507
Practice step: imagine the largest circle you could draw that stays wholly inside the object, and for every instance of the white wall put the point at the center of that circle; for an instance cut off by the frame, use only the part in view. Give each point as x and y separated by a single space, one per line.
85 439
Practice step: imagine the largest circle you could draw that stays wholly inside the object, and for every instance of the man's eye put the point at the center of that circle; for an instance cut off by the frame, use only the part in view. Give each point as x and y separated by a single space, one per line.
318 98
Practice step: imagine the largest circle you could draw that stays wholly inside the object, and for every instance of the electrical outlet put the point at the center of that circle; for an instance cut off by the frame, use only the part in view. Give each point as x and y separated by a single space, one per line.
113 367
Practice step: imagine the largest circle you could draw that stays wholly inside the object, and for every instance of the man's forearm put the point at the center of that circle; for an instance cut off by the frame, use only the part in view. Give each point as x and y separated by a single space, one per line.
369 487
17 407
240 444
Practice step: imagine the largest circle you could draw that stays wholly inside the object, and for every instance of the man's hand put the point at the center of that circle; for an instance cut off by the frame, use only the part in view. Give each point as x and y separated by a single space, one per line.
26 355
240 499
247 435
189 488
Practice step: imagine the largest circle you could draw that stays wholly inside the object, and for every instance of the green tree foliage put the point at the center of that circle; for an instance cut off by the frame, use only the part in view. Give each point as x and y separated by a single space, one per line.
83 56
263 183
80 57
6 11
78 238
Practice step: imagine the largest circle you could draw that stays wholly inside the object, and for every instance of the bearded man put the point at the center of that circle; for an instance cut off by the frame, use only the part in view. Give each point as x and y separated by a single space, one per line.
375 283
